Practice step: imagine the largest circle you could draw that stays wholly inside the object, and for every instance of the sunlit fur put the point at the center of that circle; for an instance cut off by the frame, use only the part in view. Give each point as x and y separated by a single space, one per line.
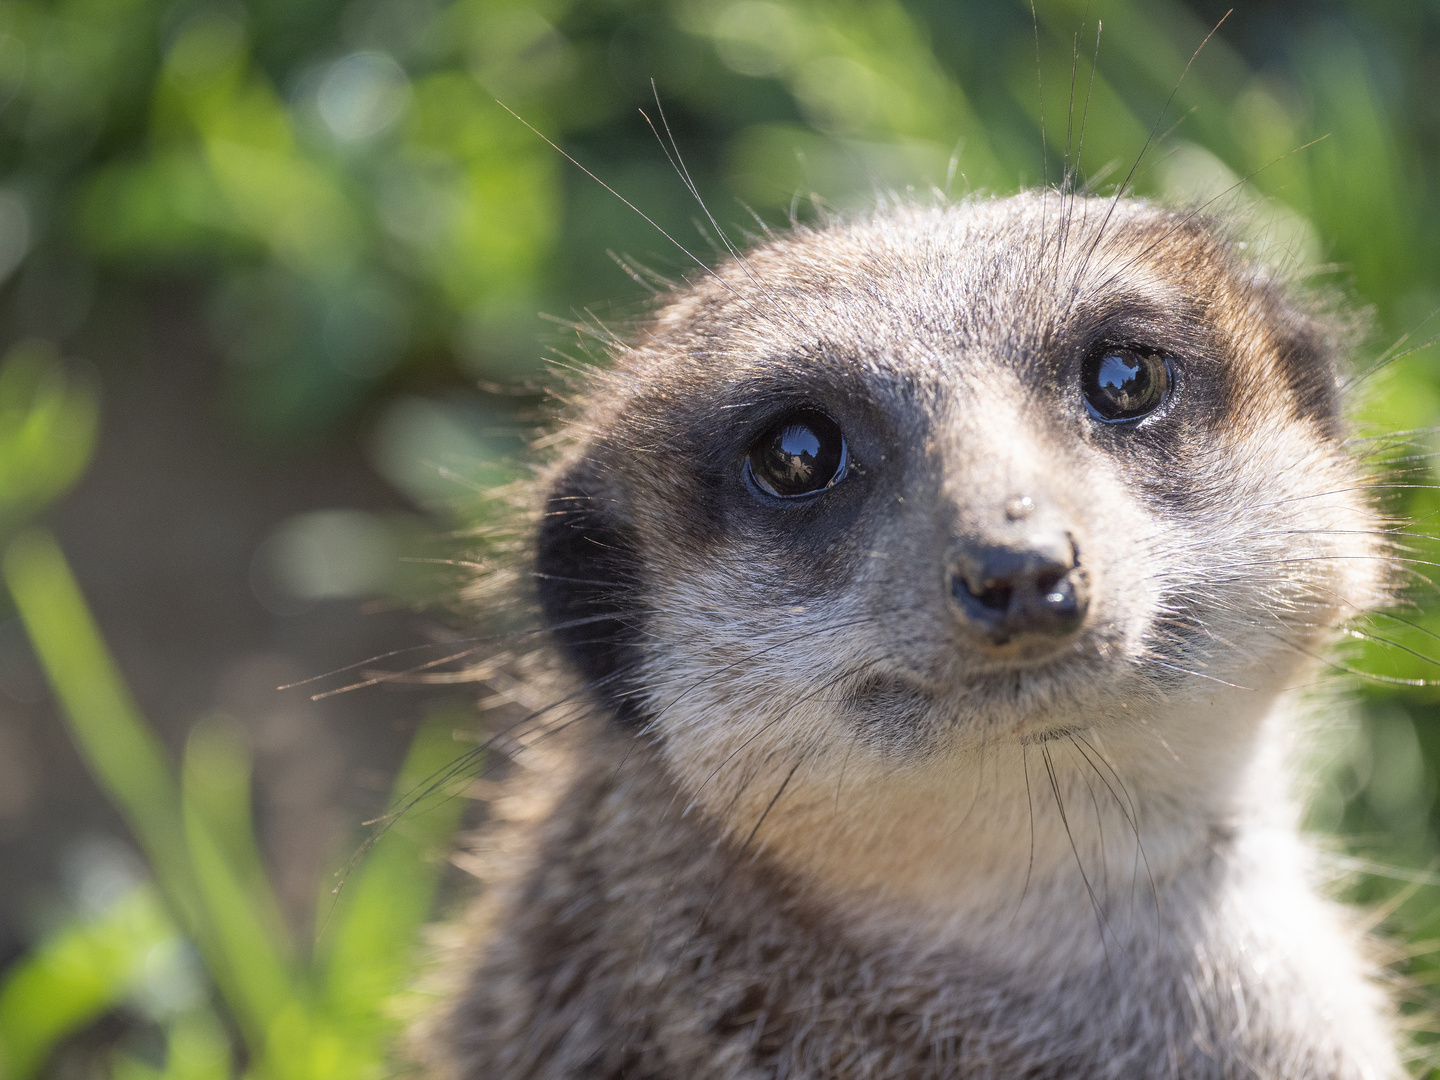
803 824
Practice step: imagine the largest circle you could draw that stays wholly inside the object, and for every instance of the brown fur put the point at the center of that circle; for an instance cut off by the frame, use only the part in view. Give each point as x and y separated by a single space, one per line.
640 945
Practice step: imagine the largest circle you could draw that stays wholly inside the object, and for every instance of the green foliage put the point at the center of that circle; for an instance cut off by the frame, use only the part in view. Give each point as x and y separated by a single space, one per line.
364 953
329 1016
47 429
197 1047
121 750
77 975
360 212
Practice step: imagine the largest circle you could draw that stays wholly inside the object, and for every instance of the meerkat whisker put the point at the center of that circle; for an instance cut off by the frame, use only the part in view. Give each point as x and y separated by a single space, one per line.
1127 810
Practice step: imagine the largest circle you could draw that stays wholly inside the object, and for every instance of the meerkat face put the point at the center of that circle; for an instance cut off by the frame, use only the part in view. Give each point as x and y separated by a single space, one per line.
945 478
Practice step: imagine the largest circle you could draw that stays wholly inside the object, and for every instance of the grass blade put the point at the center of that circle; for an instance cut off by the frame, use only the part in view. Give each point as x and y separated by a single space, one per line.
246 961
371 939
122 752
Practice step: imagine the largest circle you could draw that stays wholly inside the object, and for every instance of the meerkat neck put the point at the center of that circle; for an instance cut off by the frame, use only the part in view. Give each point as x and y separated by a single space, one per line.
638 901
1060 843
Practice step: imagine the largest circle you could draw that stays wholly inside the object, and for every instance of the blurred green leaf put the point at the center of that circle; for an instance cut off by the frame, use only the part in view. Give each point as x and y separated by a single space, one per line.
47 430
75 976
242 919
367 949
200 841
116 743
196 1048
303 1045
215 790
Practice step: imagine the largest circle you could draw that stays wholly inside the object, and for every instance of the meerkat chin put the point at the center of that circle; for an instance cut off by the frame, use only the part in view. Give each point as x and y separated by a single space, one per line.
932 583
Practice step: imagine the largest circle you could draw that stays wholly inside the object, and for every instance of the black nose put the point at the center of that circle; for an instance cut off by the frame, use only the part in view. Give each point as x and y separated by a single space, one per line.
1033 588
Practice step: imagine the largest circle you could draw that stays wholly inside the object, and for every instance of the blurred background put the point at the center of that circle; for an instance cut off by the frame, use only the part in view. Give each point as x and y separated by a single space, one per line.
303 262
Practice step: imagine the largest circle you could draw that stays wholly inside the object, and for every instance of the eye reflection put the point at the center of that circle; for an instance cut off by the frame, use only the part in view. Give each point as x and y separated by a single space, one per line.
804 453
1125 383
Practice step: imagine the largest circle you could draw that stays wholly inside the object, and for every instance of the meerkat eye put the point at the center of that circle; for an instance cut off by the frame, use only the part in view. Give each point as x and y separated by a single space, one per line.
1122 383
803 453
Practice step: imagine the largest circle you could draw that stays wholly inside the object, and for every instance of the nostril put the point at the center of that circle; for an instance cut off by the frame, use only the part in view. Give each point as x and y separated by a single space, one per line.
1047 581
996 597
1034 588
987 577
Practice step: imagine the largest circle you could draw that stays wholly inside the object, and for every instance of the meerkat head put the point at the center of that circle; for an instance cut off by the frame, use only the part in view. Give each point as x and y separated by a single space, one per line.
884 494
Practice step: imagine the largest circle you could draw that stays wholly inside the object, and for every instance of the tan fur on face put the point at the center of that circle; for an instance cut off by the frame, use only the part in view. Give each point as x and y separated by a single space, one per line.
842 836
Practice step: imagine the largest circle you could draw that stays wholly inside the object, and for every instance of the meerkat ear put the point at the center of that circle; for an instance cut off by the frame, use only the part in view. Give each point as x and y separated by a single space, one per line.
587 580
1316 339
1314 350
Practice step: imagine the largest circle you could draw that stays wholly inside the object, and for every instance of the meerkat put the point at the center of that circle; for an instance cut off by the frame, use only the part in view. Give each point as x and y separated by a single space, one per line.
933 589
